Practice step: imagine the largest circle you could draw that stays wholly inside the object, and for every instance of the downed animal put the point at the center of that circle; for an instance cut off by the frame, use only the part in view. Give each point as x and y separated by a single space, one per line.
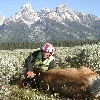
70 82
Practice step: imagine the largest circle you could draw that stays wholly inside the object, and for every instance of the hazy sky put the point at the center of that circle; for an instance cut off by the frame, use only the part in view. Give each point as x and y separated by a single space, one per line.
10 7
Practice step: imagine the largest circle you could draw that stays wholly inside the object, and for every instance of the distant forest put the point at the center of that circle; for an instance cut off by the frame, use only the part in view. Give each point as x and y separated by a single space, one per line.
33 45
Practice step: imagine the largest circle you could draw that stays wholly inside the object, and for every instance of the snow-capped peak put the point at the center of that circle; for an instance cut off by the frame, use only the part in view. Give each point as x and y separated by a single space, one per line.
2 18
46 9
26 6
65 12
62 6
29 16
25 14
43 12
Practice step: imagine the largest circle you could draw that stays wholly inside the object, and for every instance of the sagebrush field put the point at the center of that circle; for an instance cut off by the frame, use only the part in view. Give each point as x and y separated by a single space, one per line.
11 65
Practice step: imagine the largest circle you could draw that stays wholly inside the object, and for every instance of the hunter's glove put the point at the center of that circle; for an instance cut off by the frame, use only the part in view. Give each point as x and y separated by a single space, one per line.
30 74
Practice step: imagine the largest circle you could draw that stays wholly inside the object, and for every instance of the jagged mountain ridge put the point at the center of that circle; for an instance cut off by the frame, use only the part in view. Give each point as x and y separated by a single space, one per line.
2 18
49 25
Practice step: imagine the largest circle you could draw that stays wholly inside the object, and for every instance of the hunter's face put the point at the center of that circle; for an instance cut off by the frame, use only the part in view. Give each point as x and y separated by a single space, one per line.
46 54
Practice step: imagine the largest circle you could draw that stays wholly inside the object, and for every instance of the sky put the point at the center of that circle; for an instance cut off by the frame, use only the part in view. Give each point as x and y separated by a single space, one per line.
10 7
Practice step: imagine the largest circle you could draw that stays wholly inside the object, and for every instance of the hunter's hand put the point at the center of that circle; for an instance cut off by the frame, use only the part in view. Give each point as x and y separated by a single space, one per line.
30 74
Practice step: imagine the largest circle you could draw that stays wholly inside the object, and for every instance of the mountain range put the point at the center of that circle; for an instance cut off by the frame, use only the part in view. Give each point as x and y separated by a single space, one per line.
59 24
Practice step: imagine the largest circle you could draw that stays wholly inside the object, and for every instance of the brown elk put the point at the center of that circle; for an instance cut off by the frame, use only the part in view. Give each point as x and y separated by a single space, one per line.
70 82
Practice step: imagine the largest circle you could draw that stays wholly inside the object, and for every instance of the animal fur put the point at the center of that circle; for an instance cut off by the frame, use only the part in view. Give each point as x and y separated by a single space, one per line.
71 82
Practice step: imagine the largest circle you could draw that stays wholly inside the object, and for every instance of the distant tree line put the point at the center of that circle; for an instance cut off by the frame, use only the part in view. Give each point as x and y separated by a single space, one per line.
33 45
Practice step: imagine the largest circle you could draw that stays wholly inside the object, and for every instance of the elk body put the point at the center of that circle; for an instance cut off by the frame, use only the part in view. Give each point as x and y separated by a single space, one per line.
71 82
